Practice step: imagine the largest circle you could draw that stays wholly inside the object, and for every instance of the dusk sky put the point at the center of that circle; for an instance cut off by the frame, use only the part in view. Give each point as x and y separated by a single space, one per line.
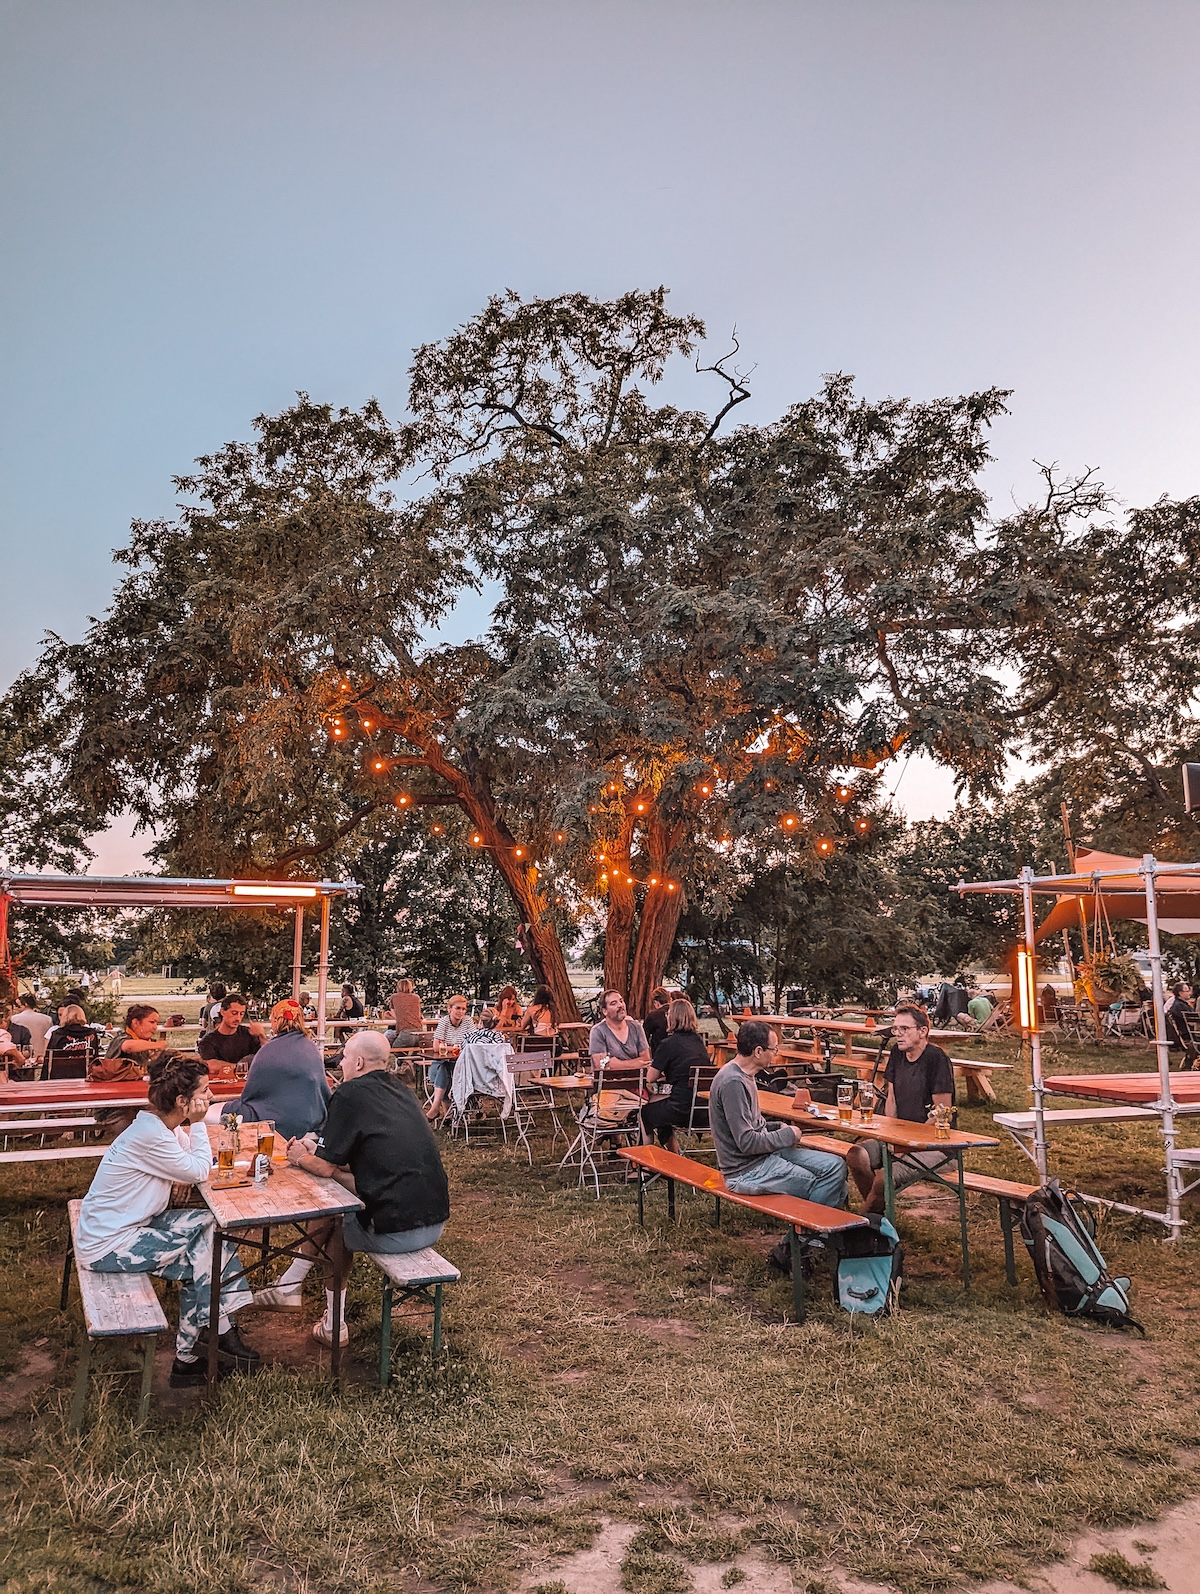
207 206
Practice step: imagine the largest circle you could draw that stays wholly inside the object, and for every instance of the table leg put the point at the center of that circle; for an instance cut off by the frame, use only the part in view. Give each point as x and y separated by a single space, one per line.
336 1253
716 1212
66 1278
671 1199
962 1223
214 1305
437 1321
889 1187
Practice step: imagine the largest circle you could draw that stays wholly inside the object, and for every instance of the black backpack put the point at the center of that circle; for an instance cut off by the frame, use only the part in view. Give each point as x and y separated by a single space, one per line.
1070 1270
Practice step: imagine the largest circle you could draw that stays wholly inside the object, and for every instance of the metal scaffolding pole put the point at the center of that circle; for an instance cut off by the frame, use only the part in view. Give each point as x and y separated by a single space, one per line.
1166 1103
297 953
323 971
1035 1038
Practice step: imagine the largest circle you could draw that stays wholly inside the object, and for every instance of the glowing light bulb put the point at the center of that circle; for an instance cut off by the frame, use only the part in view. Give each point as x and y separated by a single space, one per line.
378 764
436 829
366 725
477 840
653 880
519 851
641 808
558 836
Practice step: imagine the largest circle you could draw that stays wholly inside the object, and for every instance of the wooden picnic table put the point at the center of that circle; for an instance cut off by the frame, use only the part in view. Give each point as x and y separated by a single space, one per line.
897 1136
1130 1090
289 1198
39 1095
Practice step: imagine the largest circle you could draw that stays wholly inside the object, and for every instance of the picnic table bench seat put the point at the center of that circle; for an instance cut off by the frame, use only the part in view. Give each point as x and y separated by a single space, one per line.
52 1153
410 1275
115 1306
800 1216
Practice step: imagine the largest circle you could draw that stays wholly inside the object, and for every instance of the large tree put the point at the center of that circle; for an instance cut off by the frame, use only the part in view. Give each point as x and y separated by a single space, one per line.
701 631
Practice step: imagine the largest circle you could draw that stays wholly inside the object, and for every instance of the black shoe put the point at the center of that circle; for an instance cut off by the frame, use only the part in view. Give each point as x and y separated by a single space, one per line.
780 1256
233 1354
187 1375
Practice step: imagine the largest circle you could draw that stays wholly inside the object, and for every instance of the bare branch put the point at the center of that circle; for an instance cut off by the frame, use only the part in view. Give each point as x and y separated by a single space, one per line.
738 391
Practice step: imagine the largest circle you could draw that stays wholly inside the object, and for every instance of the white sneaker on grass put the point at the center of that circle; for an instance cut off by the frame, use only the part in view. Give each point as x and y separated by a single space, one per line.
281 1298
323 1331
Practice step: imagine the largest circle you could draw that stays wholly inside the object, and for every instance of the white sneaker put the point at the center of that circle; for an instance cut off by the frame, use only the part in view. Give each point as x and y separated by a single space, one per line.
323 1331
281 1298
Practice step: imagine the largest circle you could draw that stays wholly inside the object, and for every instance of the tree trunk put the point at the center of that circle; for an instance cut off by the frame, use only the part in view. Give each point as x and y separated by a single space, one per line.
618 934
656 936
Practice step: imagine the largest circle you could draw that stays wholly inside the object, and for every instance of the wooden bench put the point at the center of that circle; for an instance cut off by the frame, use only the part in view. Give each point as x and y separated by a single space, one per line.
410 1275
115 1306
800 1216
10 1128
52 1153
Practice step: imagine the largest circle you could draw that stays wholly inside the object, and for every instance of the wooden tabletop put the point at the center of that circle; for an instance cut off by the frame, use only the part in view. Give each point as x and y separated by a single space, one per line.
1125 1089
898 1132
39 1093
289 1195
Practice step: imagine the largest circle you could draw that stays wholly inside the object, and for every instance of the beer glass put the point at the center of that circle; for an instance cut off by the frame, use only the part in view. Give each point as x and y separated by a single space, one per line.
866 1102
225 1154
266 1137
845 1101
941 1121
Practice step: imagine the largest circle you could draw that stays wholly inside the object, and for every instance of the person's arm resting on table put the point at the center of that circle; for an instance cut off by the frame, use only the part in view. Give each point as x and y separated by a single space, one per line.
753 1138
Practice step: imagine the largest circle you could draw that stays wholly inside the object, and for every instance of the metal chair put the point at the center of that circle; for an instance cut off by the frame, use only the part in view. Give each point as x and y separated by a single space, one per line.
609 1116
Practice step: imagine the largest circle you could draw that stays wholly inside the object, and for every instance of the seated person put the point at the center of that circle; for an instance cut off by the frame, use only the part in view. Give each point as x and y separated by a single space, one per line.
286 1082
679 1054
36 1022
758 1158
376 1142
617 1037
72 1045
539 1017
918 1078
452 1030
655 1021
488 1032
211 1011
16 1032
233 1039
126 1224
1181 1014
350 1006
508 1010
130 1053
308 1008
408 1022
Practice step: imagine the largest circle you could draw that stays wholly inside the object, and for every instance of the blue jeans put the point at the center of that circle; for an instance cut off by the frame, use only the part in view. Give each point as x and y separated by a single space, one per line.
440 1075
356 1238
812 1175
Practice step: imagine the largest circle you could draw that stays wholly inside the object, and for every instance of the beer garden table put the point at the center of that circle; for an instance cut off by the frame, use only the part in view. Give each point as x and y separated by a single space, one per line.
897 1136
289 1198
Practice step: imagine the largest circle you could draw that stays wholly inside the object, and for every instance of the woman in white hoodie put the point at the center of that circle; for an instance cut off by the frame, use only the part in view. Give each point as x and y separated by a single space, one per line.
127 1225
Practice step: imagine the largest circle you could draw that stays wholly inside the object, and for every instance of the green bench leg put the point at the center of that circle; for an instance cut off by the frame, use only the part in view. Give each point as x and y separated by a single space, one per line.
797 1276
385 1337
148 1347
79 1398
437 1321
1006 1228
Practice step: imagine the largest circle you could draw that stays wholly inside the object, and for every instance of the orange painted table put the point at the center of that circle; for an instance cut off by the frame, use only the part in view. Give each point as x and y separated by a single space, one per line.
1127 1090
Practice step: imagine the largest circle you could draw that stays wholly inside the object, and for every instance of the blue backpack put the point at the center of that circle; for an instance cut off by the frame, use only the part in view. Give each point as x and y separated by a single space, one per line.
1070 1270
868 1267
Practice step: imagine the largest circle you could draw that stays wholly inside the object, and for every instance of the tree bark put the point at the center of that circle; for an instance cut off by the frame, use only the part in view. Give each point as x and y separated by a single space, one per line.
618 930
656 936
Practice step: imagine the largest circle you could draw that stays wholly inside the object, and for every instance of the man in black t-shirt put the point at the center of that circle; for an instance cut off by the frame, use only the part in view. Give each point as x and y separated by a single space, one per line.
918 1077
376 1141
233 1039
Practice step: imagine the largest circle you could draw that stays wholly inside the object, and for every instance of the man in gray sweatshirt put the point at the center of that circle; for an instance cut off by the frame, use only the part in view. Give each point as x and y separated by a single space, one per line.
758 1158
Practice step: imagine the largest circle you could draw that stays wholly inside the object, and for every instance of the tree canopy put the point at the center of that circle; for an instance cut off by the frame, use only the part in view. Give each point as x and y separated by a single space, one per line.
705 635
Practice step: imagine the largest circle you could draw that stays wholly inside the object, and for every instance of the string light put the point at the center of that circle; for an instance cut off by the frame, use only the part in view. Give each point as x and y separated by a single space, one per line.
824 845
641 808
789 821
366 725
519 852
402 799
436 829
845 793
477 840
670 885
705 791
379 764
863 826
558 836
653 880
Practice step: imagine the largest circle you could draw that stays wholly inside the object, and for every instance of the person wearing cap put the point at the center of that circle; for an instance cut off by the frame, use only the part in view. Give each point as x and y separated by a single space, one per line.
286 1082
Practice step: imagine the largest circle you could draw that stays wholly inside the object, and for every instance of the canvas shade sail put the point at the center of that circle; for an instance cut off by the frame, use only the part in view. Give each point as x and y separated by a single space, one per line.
1123 896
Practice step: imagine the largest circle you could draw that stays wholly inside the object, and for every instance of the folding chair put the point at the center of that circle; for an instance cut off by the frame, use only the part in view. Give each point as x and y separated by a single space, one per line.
608 1117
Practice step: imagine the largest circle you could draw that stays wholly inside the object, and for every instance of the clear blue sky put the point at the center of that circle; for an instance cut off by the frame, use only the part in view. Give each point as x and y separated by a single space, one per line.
208 204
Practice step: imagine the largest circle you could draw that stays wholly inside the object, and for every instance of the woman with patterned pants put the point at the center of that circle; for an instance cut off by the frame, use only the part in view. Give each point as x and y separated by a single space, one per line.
126 1224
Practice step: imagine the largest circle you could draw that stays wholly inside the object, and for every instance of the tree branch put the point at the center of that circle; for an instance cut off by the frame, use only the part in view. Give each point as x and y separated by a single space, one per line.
738 391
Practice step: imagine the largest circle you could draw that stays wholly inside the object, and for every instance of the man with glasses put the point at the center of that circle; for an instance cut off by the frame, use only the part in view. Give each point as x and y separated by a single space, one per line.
918 1078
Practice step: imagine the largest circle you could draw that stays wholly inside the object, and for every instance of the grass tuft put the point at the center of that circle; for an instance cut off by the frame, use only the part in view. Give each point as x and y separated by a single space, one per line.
1124 1574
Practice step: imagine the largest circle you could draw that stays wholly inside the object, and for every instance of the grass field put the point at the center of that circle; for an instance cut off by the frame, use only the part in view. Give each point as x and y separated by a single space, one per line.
597 1372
